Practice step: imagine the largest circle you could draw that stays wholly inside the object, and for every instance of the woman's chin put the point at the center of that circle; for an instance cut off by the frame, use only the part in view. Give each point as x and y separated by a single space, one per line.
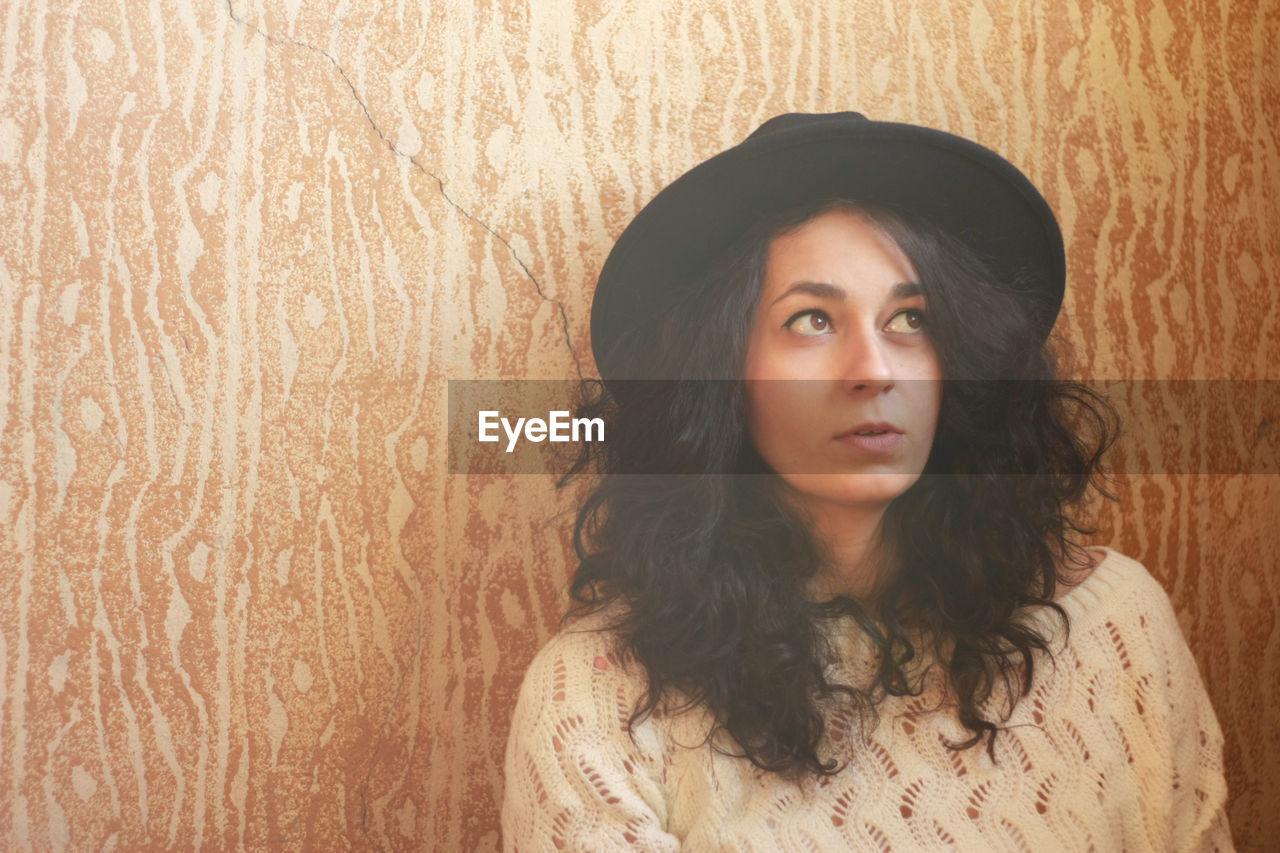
862 489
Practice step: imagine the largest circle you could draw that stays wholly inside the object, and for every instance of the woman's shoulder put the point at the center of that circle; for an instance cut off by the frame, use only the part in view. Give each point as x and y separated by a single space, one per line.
581 637
1112 589
1071 573
582 665
1121 618
1122 629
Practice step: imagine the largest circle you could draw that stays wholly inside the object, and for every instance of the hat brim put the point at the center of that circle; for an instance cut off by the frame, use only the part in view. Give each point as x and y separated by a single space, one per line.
961 187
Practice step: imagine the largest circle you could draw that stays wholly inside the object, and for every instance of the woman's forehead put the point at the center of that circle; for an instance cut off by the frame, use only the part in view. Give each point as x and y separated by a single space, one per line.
835 254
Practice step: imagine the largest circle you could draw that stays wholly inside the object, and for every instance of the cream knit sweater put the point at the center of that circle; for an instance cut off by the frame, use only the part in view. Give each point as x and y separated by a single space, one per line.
1115 748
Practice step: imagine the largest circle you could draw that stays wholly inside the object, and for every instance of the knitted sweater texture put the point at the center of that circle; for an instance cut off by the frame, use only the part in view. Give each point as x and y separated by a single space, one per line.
1116 747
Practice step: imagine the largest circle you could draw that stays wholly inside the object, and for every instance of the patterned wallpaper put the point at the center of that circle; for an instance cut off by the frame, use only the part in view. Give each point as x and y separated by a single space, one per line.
245 244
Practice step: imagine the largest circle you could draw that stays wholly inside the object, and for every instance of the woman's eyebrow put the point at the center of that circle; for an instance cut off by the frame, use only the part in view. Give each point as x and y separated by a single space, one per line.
820 289
826 290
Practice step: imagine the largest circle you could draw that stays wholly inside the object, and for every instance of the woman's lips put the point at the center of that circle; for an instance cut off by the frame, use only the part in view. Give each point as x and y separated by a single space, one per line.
872 438
882 443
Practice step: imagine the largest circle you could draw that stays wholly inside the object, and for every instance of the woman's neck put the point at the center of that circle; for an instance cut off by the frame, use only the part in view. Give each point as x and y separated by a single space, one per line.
850 539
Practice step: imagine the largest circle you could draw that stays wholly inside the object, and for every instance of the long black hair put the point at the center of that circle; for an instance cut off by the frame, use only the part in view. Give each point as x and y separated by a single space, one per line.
703 565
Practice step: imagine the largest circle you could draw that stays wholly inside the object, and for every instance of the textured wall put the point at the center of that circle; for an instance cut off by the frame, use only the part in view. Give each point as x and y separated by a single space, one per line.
243 245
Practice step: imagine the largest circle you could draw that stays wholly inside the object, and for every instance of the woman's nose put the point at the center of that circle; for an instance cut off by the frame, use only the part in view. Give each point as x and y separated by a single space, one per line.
865 367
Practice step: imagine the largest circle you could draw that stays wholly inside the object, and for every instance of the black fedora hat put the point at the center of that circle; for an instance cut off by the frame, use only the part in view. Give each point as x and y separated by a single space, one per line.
961 187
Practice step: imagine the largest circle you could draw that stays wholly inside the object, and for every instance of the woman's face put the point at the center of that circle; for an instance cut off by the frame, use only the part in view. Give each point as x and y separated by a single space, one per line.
843 383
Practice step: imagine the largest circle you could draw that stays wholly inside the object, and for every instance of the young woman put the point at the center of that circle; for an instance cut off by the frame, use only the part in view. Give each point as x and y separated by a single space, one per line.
830 594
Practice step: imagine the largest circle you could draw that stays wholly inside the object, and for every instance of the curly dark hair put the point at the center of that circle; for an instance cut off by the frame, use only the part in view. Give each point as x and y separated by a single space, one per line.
684 527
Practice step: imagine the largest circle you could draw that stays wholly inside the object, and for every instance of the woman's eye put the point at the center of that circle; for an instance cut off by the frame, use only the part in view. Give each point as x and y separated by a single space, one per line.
809 323
907 322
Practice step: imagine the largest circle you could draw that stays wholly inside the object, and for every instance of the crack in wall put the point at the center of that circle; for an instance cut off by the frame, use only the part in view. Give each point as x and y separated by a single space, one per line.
564 324
391 146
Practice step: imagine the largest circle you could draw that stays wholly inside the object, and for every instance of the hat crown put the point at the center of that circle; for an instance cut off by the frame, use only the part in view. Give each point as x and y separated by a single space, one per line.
789 121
